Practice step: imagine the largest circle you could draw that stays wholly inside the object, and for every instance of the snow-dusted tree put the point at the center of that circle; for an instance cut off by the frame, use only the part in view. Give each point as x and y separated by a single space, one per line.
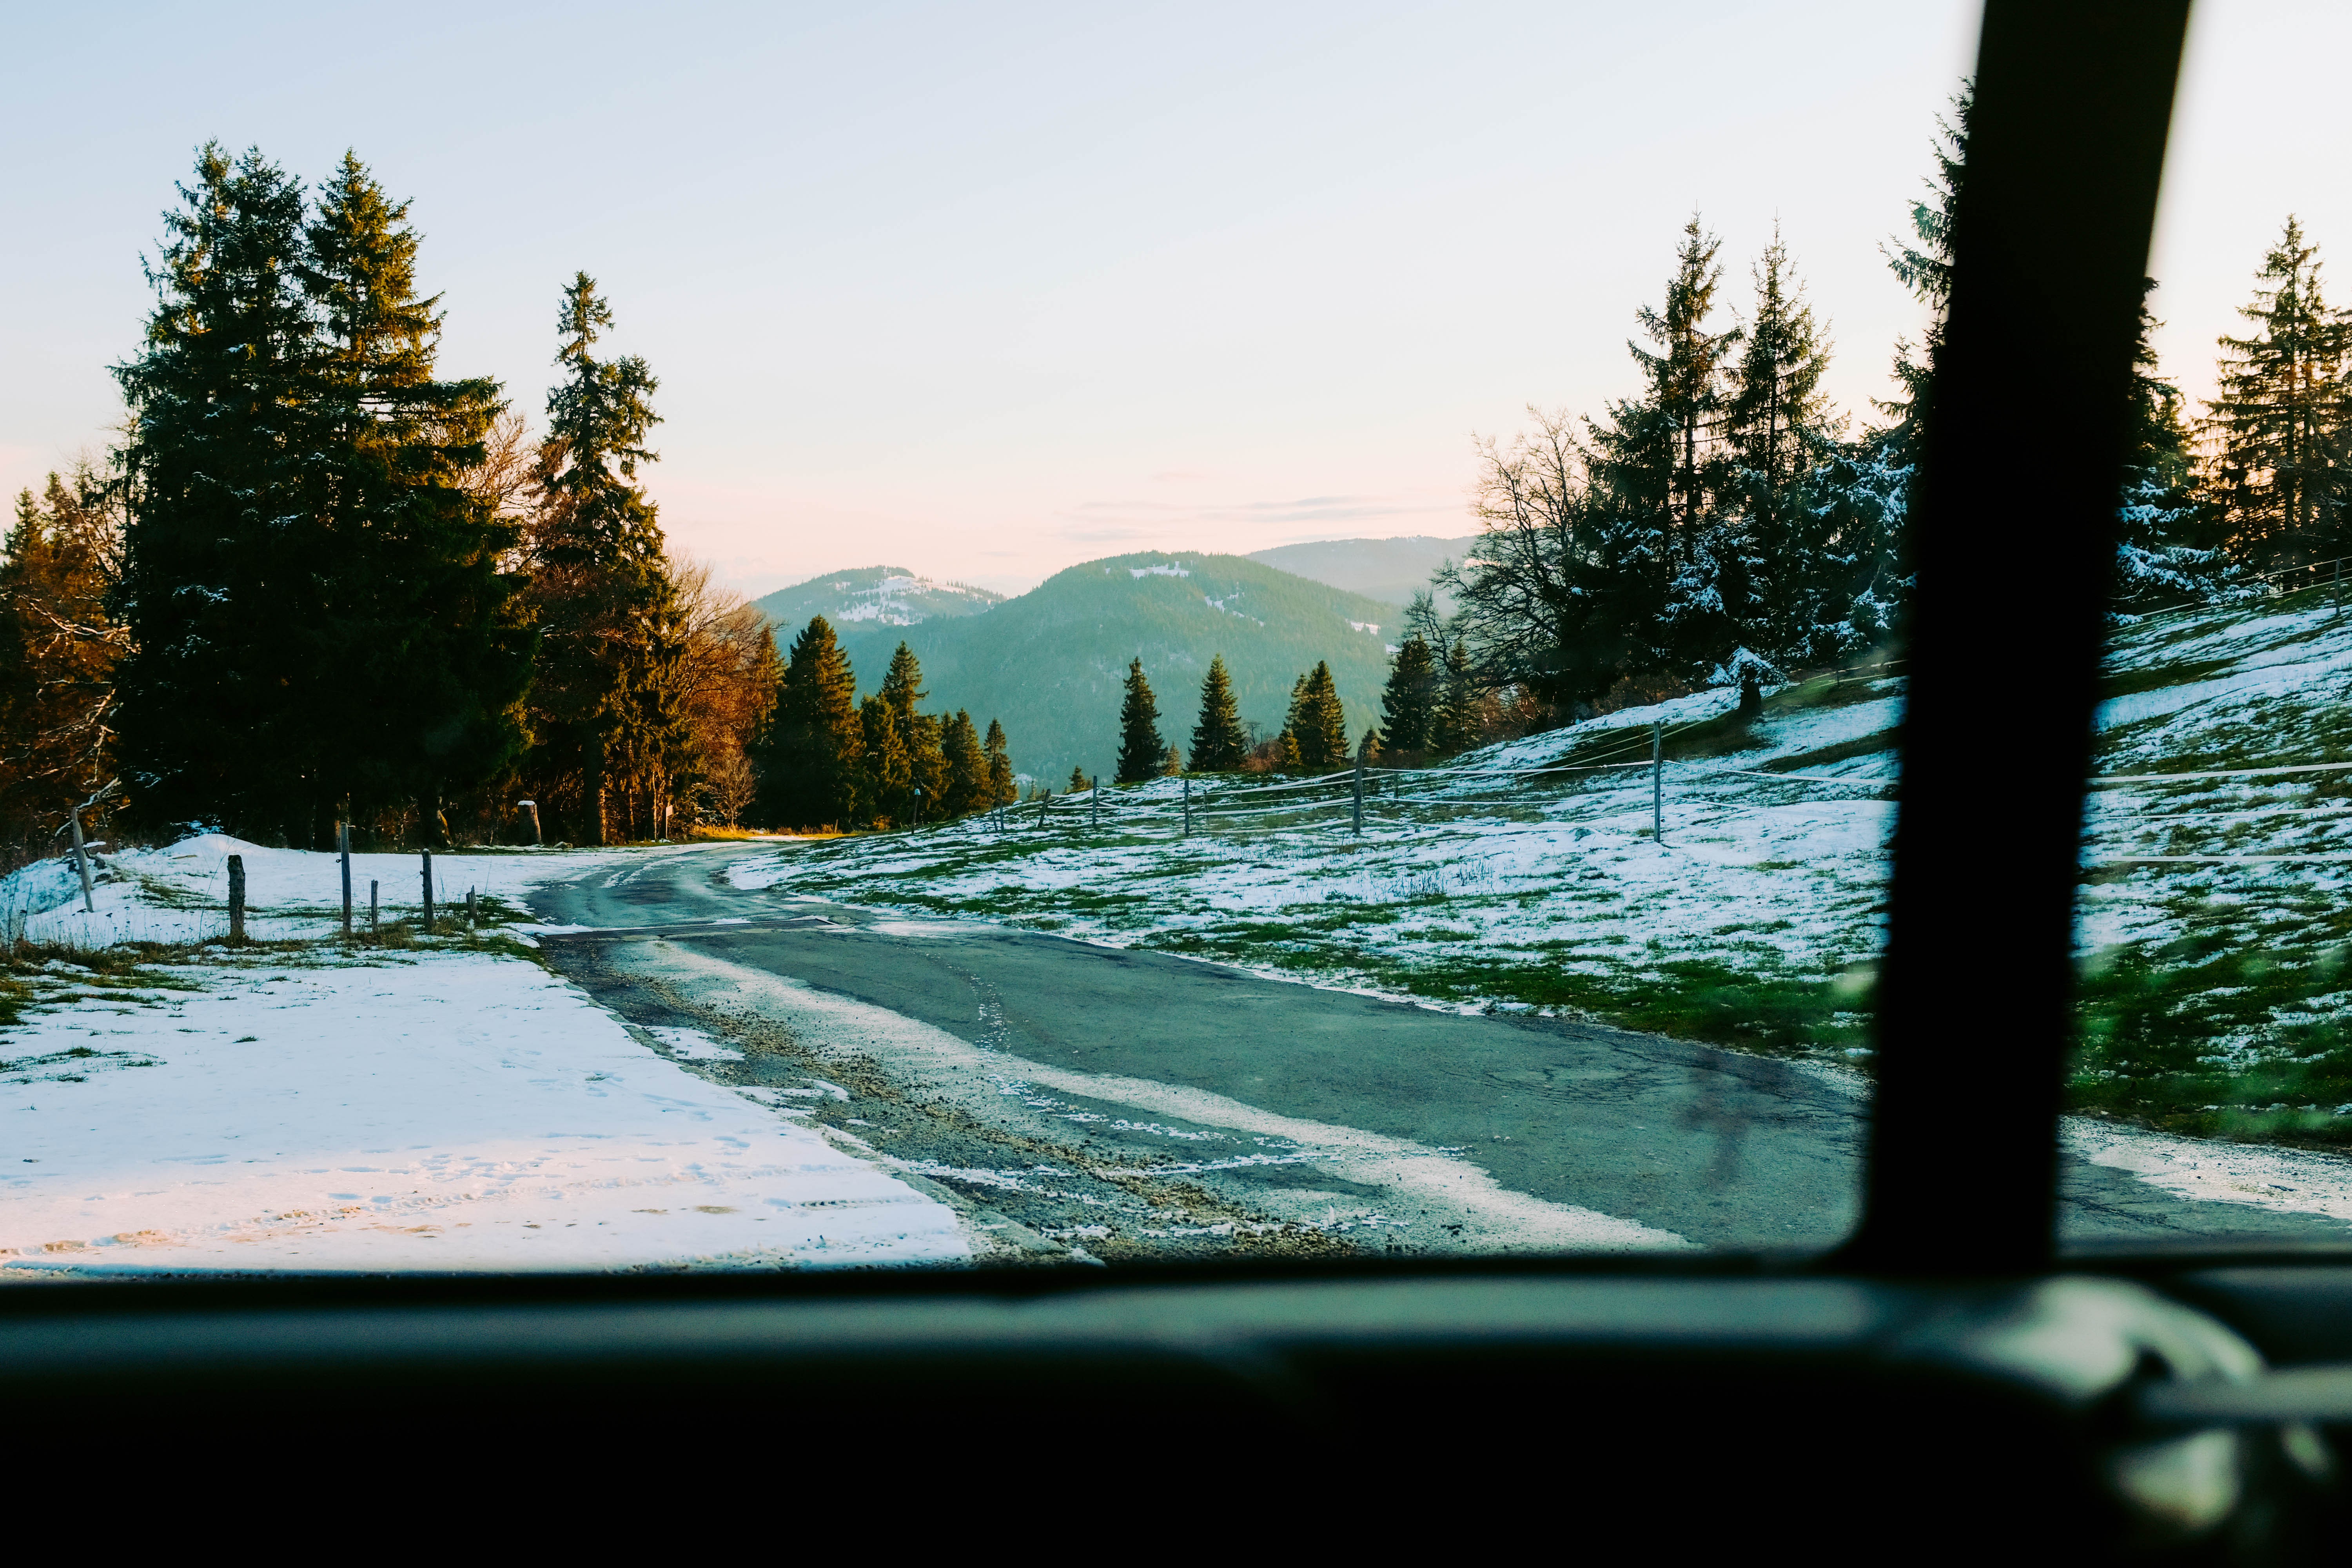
1779 426
2163 553
216 711
2277 463
58 646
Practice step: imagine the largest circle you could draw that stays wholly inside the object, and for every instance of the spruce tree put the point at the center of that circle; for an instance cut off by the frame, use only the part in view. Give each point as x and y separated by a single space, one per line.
420 638
886 786
1662 472
919 732
808 756
1779 427
1409 703
1318 726
1001 790
1219 743
599 579
217 704
1140 748
966 788
2167 536
2280 468
1457 723
1077 779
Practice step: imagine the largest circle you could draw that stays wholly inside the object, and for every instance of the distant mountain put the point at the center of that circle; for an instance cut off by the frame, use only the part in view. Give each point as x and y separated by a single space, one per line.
1390 570
886 595
1049 663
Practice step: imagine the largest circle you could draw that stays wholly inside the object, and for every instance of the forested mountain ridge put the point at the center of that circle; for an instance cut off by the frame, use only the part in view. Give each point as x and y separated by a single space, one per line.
1050 662
887 596
1391 570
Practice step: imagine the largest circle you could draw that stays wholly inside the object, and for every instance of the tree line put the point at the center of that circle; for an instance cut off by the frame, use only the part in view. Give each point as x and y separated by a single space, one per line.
318 580
1725 522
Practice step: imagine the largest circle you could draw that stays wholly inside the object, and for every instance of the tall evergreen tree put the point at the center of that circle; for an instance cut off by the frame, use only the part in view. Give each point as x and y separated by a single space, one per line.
807 758
1409 703
599 579
920 733
421 640
887 779
2166 536
1318 725
967 787
1924 264
1002 791
1219 742
1661 469
2280 468
1077 779
1140 748
220 592
1779 427
1457 723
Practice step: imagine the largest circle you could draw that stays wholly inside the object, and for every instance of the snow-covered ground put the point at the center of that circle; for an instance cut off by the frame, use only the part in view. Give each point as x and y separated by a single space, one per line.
431 1108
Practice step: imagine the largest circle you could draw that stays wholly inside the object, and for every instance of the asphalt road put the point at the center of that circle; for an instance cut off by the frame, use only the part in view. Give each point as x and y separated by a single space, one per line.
1127 1104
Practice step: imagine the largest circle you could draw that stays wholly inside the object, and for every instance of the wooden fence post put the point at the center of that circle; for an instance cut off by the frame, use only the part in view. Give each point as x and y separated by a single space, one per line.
81 861
373 929
428 892
1359 795
1188 808
1658 781
1097 793
472 921
532 806
237 898
343 847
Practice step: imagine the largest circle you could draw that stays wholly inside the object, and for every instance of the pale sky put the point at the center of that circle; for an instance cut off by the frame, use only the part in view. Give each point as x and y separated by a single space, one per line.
987 290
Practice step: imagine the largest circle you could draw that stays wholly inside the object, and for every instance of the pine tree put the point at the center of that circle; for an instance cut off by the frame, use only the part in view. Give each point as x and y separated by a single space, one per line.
1457 723
1409 703
2279 464
1219 743
1661 471
1001 790
1317 727
886 786
2166 535
1140 748
1926 268
966 788
421 636
217 709
808 756
598 576
58 646
1779 427
1077 779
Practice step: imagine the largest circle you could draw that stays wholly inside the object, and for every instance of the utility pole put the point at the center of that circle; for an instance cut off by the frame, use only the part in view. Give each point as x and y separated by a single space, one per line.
1658 781
343 849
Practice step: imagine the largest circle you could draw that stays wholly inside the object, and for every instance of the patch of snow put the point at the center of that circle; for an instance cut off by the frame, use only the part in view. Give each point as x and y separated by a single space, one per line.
1168 569
437 1111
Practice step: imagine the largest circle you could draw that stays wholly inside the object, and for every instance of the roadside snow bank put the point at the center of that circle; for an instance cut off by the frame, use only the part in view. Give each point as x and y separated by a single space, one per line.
436 1111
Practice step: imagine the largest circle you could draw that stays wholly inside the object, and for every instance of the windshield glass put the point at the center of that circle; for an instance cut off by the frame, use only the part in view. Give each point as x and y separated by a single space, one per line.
1373 734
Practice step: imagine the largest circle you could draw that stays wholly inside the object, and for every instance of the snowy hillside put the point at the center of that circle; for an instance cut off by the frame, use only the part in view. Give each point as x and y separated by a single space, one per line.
2215 924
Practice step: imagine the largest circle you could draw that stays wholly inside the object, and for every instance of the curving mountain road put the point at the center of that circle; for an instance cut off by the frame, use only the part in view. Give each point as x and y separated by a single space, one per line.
1130 1104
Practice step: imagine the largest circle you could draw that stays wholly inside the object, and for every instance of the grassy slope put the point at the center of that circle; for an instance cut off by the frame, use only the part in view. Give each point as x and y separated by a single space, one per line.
2218 999
1049 663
